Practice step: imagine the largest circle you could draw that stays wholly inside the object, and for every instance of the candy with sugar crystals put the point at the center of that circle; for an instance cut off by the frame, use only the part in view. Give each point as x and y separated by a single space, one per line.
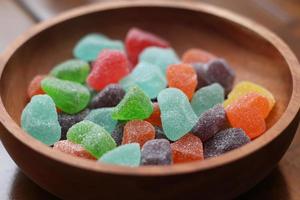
201 75
154 118
225 141
124 155
196 55
34 87
39 119
156 152
117 133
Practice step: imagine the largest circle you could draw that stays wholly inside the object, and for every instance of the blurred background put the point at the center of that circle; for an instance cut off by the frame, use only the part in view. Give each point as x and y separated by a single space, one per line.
281 16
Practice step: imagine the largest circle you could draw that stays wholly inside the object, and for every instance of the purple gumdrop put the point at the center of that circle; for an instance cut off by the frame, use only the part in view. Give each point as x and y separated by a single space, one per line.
201 76
156 152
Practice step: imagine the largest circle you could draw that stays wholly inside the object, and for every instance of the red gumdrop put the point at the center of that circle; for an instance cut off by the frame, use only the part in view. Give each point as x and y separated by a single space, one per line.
34 87
110 67
137 40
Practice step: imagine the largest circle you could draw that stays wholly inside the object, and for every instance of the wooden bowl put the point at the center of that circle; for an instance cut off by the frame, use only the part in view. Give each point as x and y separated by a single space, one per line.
255 53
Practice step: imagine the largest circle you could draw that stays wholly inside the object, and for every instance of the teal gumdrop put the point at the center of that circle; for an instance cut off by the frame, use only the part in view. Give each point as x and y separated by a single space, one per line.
148 77
92 137
124 155
135 105
68 96
39 119
162 57
72 70
102 117
89 47
177 115
207 97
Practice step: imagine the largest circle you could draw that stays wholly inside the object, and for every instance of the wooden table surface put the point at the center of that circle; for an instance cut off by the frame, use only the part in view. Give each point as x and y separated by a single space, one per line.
281 16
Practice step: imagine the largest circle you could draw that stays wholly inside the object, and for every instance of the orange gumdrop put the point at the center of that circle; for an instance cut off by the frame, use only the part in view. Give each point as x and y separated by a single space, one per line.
154 118
186 149
249 112
183 77
197 56
138 131
34 87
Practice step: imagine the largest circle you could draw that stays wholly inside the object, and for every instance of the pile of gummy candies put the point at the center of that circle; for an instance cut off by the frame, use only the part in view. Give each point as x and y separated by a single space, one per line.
139 104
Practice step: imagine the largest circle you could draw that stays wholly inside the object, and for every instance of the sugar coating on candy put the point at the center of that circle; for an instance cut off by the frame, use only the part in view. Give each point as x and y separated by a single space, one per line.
161 57
201 75
218 71
148 77
110 67
207 97
34 87
154 118
177 115
156 152
186 149
195 55
72 70
110 96
138 131
72 149
102 117
124 155
68 96
248 112
137 40
210 122
135 105
39 119
159 133
66 121
225 141
245 87
183 77
89 47
117 133
92 137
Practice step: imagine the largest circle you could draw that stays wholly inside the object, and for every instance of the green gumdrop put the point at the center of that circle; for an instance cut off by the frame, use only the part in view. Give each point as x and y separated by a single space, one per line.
92 137
162 57
135 105
68 96
72 70
177 115
207 97
39 119
125 155
89 47
102 117
148 77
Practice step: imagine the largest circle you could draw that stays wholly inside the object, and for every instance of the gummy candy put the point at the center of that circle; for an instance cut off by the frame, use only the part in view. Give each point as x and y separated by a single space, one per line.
66 121
156 152
154 118
245 87
39 119
34 87
110 96
159 133
89 47
68 96
186 149
207 97
177 115
225 141
218 71
201 75
138 131
94 138
148 77
197 56
72 149
124 155
183 77
110 67
210 122
135 105
137 40
117 133
72 70
102 117
248 113
161 57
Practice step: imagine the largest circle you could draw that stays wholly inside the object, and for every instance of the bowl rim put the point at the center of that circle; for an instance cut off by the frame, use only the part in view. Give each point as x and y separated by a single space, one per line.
289 114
